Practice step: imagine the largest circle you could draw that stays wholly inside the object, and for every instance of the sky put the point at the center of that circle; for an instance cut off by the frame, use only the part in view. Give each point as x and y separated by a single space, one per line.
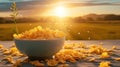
71 8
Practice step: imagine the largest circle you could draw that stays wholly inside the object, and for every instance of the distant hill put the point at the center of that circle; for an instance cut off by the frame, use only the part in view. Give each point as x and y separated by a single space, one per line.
96 17
89 17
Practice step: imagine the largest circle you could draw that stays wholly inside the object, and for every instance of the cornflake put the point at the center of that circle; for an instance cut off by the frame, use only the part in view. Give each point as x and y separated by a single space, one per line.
97 49
105 55
69 55
114 47
92 60
1 46
104 64
63 65
117 59
12 51
52 62
9 59
74 45
37 63
17 63
40 33
68 46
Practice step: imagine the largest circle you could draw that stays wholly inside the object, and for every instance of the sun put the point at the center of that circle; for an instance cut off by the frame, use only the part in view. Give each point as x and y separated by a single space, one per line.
60 11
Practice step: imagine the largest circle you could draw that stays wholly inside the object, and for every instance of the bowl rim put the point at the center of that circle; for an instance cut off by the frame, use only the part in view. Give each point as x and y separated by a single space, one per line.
40 39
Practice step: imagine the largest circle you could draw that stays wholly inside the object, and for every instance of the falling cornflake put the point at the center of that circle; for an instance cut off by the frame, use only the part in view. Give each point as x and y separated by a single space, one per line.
78 33
89 38
70 25
88 31
30 24
68 30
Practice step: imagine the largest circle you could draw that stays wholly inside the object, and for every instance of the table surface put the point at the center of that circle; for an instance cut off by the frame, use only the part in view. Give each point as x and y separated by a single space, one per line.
106 43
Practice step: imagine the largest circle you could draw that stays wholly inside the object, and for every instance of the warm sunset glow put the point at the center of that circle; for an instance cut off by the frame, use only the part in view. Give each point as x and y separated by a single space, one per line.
60 11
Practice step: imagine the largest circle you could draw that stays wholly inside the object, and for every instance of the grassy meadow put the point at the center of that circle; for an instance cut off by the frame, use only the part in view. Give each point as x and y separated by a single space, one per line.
74 31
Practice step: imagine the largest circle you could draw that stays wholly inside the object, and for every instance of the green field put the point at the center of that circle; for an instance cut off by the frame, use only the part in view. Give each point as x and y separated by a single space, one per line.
76 31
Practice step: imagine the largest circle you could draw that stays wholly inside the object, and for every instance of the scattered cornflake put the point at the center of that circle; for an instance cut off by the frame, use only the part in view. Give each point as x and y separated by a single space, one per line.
6 52
9 59
105 64
68 46
37 63
14 51
52 62
117 59
69 55
71 52
91 59
26 60
114 47
63 65
1 46
13 45
110 50
74 45
104 55
17 63
97 49
82 45
4 49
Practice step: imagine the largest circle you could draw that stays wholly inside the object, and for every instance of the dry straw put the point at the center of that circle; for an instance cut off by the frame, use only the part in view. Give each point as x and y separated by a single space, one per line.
14 15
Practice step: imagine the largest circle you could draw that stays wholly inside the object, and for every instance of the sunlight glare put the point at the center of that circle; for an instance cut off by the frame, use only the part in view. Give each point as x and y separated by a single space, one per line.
60 11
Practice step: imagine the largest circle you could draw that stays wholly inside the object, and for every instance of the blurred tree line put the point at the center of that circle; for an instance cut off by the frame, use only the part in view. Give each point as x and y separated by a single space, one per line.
89 17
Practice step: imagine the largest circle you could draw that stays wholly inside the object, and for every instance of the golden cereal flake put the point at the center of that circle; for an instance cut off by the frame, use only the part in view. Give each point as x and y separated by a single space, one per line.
69 55
37 63
14 52
61 60
6 52
63 65
117 59
1 46
9 59
91 59
104 64
4 49
97 49
105 55
40 33
17 63
13 49
13 45
114 47
52 62
74 45
82 45
68 46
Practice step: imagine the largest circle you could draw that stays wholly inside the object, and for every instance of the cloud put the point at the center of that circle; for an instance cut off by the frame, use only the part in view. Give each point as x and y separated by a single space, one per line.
27 7
90 4
47 4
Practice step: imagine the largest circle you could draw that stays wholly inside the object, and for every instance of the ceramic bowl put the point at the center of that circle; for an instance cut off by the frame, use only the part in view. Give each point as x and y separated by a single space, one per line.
41 49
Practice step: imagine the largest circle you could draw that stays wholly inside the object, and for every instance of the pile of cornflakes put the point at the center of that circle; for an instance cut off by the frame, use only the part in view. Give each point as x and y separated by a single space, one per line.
40 33
71 52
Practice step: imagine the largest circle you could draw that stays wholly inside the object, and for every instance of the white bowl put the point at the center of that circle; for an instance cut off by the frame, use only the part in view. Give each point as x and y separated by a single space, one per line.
39 49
